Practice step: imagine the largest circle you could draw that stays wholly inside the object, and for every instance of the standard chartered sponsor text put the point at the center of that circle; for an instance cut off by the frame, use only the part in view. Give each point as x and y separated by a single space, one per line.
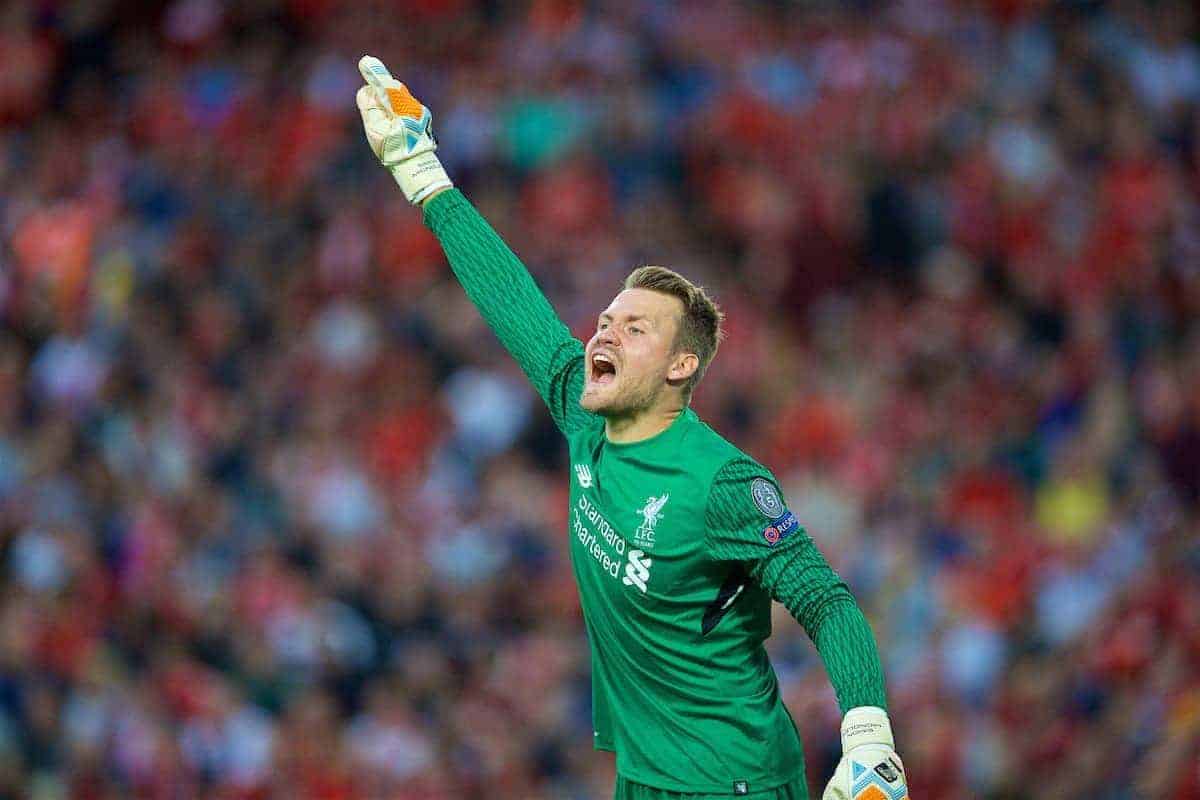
615 541
590 536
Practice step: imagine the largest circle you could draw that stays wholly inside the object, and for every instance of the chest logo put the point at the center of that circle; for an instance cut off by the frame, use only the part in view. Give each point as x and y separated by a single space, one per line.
583 473
637 571
651 513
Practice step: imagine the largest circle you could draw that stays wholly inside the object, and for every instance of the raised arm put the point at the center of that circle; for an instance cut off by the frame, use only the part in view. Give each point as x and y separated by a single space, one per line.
398 129
512 305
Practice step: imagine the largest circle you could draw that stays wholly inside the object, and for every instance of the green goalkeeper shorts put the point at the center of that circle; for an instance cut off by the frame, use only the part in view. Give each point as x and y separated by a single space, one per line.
628 790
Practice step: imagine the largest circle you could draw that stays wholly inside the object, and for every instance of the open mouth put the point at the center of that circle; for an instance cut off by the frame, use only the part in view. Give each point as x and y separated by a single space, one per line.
604 371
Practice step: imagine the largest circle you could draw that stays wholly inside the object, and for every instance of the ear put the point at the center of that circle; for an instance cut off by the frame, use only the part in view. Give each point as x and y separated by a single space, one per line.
684 367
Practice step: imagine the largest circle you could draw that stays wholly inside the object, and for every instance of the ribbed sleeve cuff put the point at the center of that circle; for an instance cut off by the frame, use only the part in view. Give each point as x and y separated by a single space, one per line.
444 208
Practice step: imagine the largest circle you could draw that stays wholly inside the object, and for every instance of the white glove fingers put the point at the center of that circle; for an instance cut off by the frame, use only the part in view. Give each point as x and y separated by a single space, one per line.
373 111
375 73
380 80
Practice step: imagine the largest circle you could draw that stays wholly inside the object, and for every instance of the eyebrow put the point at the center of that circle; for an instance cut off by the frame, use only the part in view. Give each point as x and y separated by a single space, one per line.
630 318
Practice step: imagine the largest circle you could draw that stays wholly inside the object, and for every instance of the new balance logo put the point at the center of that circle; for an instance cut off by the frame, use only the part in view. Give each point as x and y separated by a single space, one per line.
637 571
583 474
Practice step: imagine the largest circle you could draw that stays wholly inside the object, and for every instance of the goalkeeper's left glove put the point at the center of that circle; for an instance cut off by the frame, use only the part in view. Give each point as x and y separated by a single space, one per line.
399 130
870 768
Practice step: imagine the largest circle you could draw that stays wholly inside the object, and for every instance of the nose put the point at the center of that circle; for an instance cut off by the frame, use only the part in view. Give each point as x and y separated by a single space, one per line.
607 336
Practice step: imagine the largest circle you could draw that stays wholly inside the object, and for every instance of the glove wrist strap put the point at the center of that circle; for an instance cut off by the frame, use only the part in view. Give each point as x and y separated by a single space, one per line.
420 176
866 725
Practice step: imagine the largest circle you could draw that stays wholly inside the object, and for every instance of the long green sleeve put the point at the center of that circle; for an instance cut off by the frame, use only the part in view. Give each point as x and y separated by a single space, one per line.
512 305
818 599
793 571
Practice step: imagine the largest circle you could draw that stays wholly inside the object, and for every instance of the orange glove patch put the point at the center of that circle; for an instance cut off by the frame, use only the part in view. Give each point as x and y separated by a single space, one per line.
403 103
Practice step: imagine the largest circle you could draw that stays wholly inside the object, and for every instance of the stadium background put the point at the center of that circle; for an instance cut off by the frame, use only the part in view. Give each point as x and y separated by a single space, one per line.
278 518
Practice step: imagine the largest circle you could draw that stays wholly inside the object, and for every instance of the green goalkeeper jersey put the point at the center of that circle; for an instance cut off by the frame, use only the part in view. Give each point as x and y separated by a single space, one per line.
679 543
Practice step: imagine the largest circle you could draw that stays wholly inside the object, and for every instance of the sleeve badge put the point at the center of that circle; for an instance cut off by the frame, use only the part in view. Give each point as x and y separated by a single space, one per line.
783 523
766 498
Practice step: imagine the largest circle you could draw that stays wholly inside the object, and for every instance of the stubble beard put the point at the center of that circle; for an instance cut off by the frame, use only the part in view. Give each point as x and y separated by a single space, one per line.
627 402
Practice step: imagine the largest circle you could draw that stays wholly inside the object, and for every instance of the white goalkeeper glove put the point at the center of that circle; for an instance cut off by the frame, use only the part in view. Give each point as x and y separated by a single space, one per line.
399 132
870 768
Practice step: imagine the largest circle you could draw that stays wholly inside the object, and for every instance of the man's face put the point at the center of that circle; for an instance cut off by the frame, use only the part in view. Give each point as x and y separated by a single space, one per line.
631 356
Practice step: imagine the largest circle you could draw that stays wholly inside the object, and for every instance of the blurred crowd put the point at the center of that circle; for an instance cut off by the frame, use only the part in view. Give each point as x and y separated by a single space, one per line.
279 518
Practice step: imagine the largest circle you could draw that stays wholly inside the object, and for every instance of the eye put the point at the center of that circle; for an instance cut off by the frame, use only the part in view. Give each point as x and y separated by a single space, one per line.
601 326
635 329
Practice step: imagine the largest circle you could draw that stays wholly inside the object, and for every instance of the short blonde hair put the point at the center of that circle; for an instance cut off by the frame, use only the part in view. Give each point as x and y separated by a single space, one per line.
700 325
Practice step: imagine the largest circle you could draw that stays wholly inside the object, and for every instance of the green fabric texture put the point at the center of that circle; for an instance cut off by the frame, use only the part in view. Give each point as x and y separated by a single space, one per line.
794 573
512 305
678 544
628 790
683 690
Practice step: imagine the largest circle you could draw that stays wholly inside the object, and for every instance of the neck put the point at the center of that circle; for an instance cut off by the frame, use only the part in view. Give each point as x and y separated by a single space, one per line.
641 425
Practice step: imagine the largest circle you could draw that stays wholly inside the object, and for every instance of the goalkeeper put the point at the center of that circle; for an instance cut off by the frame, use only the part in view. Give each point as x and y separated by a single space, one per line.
679 540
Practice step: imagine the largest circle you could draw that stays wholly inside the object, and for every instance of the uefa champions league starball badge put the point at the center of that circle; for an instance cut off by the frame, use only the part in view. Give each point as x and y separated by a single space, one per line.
766 499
